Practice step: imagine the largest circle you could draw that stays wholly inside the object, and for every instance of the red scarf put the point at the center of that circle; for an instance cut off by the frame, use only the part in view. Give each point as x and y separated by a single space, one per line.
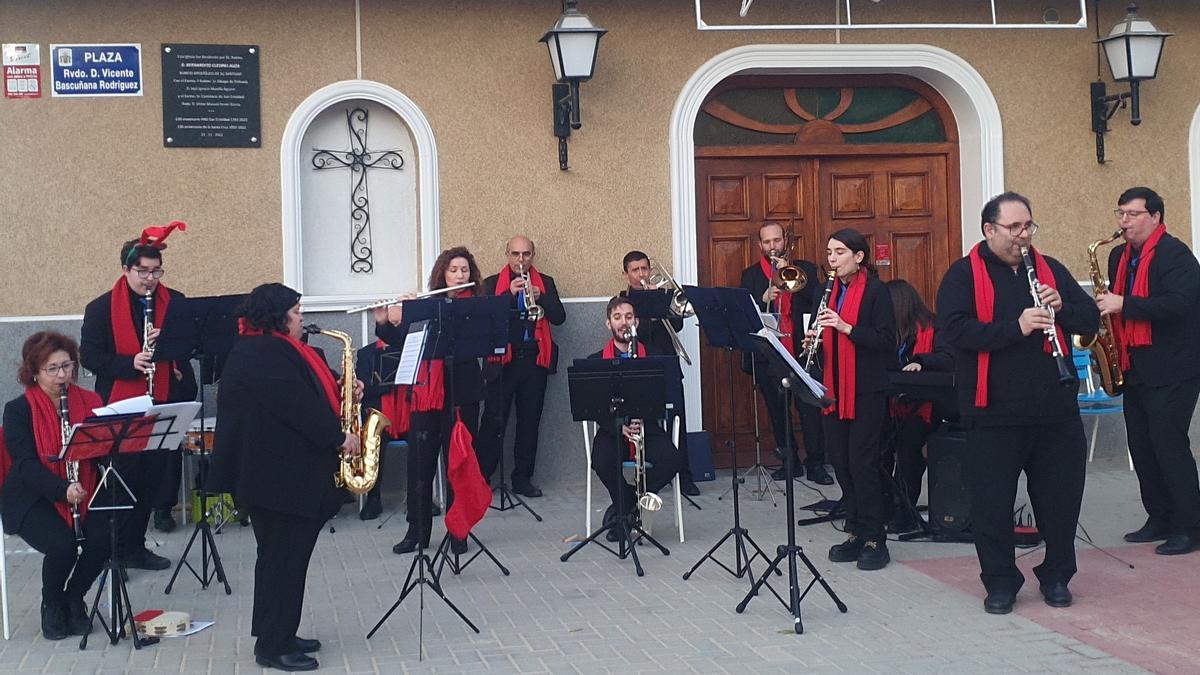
47 436
1135 333
393 404
985 311
541 329
611 351
785 306
472 494
311 358
846 362
924 345
129 343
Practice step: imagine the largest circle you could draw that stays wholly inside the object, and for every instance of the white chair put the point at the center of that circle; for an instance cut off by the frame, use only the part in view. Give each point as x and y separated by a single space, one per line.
589 432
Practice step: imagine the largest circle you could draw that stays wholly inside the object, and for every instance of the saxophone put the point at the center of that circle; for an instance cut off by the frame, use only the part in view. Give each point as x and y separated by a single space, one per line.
1102 345
356 474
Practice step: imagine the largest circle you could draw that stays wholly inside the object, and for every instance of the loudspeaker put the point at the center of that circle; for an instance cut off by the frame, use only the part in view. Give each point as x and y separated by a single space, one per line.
700 457
949 497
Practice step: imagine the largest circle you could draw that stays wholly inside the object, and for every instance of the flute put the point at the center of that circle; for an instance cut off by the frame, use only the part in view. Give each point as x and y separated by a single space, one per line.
396 301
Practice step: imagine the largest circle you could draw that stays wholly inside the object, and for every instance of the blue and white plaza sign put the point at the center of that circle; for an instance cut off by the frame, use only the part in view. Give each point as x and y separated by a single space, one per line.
96 70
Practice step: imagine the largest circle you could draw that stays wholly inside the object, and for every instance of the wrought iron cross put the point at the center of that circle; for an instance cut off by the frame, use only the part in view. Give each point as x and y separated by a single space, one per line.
358 159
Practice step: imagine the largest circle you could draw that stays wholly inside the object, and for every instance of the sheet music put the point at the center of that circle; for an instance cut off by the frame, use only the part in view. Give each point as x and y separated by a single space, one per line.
178 419
410 357
137 404
818 389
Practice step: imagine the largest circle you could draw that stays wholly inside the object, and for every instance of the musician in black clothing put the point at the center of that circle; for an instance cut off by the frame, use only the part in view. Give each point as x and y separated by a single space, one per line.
1019 416
663 459
375 366
857 330
791 309
519 377
111 347
653 334
1155 290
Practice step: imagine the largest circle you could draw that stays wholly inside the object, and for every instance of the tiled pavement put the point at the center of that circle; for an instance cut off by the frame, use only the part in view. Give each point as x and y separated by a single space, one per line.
594 615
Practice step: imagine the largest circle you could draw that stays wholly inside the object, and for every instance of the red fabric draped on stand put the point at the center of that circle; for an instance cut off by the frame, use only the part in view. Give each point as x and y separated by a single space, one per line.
472 494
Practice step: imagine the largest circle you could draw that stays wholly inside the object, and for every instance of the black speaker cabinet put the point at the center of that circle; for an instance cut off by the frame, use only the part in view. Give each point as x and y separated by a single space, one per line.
949 498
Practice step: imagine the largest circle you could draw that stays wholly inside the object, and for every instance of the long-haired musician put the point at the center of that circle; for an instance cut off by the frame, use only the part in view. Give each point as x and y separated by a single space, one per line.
112 346
37 496
857 330
431 416
1154 292
1021 413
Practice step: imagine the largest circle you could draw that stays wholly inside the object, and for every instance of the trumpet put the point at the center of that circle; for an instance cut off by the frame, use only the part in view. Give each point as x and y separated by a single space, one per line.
533 311
72 467
647 501
814 343
147 326
787 277
396 301
662 280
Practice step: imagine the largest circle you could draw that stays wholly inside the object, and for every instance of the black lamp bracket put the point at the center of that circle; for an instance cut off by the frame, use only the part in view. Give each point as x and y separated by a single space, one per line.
1105 105
565 99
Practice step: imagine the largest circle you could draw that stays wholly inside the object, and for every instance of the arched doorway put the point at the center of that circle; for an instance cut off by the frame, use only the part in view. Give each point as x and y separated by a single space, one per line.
817 153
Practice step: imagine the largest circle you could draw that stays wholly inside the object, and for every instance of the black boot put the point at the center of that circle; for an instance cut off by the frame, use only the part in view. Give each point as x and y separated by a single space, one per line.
77 617
372 507
54 620
409 543
847 551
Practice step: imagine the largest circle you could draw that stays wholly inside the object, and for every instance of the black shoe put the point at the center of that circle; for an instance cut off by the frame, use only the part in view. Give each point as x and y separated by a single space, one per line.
291 662
998 602
1178 544
874 555
610 514
1056 594
1151 531
305 645
688 487
145 559
458 546
77 617
847 551
818 475
371 509
408 544
164 520
525 488
54 620
781 472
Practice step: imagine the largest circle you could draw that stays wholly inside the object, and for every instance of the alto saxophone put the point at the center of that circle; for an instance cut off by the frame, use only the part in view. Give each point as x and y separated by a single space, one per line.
356 474
1103 344
72 467
647 500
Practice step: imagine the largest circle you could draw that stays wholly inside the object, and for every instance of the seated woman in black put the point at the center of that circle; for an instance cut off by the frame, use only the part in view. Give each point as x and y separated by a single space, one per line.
858 336
39 503
608 452
917 349
430 417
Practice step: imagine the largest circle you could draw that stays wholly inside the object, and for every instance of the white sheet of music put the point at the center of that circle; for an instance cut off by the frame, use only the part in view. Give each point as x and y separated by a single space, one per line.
817 388
178 419
410 357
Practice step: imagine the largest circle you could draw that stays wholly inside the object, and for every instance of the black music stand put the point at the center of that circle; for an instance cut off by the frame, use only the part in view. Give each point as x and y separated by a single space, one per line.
107 437
728 316
203 329
610 391
792 385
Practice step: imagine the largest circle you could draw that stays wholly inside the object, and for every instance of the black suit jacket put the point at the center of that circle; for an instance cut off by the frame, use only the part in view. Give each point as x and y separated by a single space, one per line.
873 335
98 350
277 439
652 332
1172 310
802 301
556 314
28 479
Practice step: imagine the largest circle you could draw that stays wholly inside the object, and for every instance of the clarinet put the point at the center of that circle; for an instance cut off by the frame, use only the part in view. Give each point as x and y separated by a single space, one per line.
810 354
71 466
1066 375
147 326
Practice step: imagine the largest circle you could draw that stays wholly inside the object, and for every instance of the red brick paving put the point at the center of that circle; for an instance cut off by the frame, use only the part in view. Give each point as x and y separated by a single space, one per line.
1149 616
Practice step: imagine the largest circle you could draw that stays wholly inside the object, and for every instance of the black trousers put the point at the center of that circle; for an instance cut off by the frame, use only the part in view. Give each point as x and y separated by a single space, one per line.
428 436
1157 421
285 546
1054 458
168 487
855 453
905 460
608 453
65 574
810 422
147 474
524 383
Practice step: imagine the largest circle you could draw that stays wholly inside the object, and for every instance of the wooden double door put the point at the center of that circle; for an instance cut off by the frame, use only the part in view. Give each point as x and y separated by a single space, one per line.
905 201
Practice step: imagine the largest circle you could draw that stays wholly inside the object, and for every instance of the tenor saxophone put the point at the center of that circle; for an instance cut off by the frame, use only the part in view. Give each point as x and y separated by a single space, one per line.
356 474
1103 344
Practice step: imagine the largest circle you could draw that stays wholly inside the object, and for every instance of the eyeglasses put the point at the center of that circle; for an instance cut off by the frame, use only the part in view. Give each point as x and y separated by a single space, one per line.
64 368
521 254
1015 229
156 273
1122 214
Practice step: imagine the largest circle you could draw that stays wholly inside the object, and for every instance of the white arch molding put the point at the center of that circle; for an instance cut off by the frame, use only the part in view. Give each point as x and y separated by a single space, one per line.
981 151
1194 179
428 211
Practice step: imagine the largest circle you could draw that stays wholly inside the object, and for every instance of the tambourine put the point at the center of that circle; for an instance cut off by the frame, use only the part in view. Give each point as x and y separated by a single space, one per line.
157 623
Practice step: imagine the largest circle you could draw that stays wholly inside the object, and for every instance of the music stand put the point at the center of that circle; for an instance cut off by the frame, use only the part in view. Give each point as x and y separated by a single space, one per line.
728 316
107 437
791 382
203 329
610 391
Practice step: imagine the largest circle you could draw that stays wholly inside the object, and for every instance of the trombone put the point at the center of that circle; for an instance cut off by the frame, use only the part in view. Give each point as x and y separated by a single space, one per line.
396 301
661 279
788 277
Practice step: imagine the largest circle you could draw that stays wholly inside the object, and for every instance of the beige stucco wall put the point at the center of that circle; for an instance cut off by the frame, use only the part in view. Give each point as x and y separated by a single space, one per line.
83 175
